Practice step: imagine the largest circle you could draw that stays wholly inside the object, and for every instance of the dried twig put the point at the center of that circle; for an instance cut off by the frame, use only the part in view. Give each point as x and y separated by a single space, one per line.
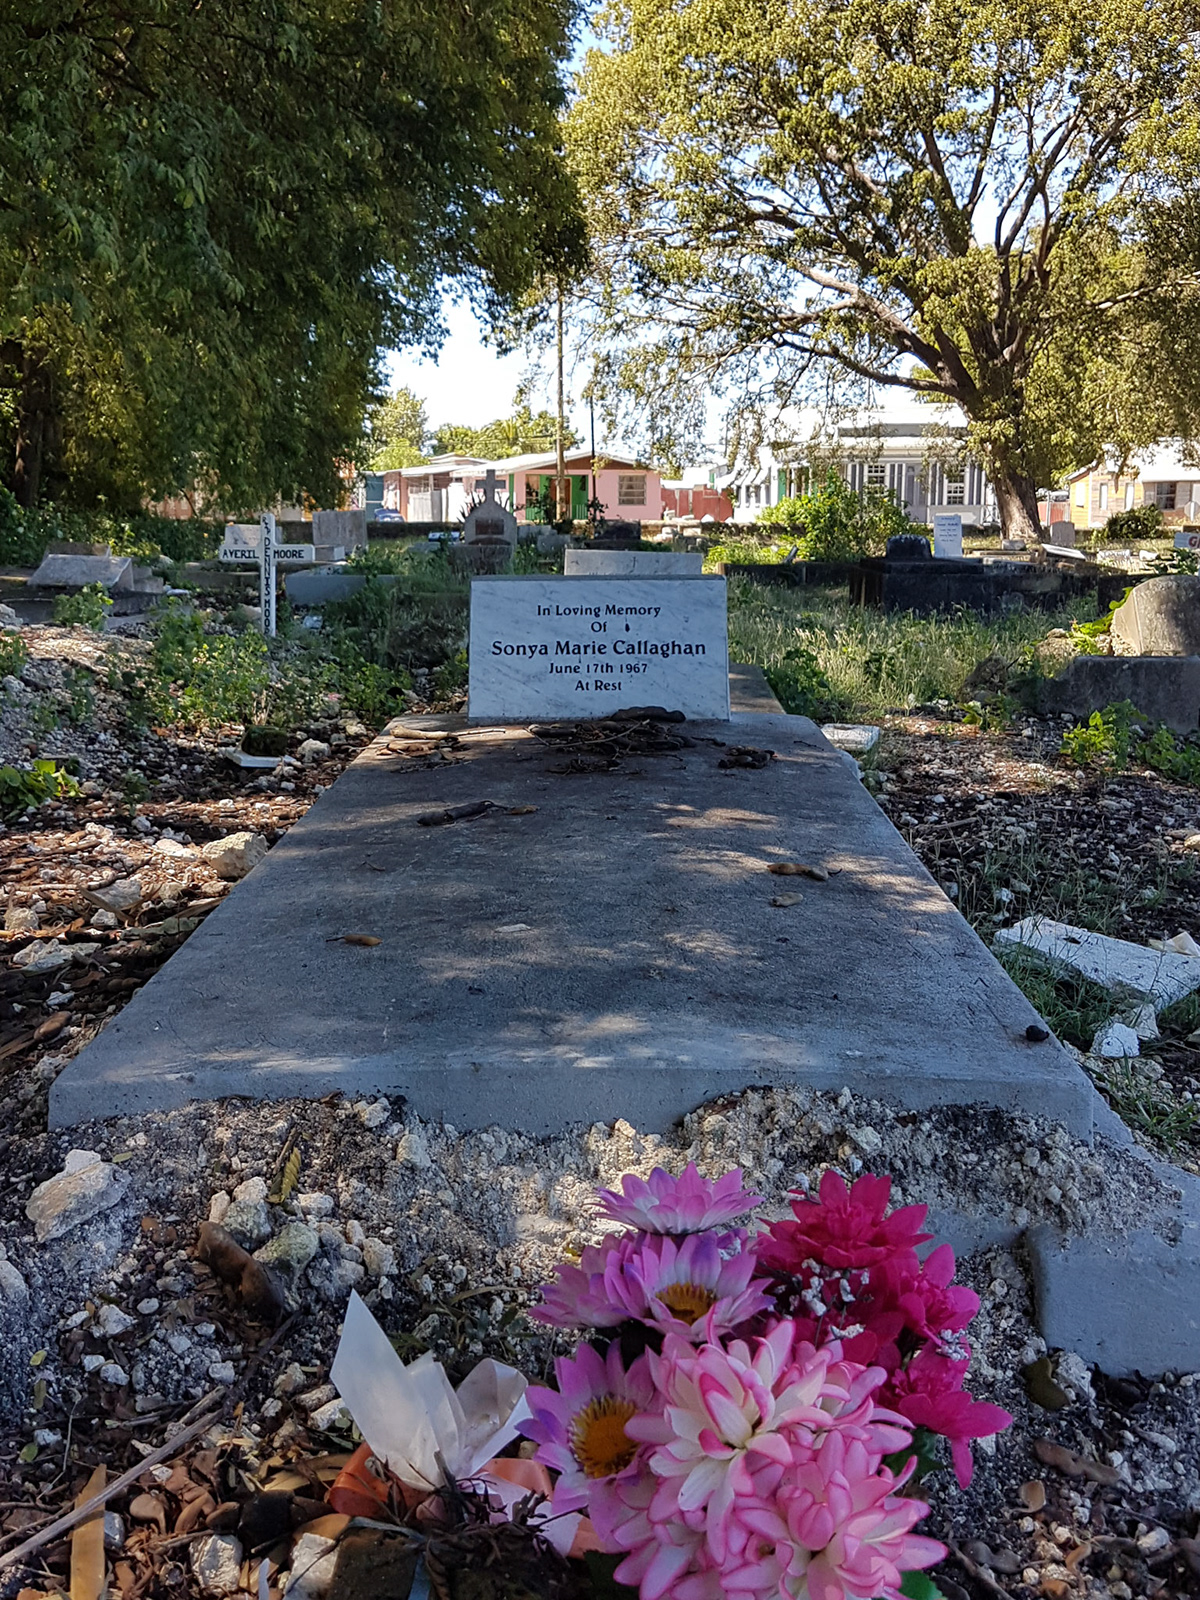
80 1513
980 1574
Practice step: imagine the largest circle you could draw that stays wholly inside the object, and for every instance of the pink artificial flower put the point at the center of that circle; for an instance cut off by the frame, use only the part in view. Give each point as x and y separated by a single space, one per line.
580 1427
687 1204
929 1394
724 1408
846 1227
936 1308
683 1286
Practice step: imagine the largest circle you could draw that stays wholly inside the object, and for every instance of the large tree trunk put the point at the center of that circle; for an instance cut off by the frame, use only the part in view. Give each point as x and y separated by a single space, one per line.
34 427
1016 500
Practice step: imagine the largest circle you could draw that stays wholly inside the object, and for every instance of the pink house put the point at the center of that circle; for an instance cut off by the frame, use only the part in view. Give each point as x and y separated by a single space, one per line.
628 491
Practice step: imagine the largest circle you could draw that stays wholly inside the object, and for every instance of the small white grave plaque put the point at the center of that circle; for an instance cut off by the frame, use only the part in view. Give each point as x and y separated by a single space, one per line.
947 535
544 648
633 563
241 542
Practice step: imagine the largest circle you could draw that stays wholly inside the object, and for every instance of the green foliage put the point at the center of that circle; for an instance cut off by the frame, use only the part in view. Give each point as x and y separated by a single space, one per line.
1134 526
216 221
1148 1105
800 685
1104 740
397 429
781 192
919 1586
845 524
523 433
26 531
89 607
790 511
21 787
82 700
877 662
13 655
135 789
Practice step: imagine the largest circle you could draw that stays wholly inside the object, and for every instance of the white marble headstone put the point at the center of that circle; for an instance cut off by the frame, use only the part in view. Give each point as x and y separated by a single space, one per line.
546 648
633 563
947 535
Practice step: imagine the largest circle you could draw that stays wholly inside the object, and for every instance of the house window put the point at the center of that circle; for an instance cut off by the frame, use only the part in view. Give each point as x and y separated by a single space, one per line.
631 489
1080 493
956 486
1129 497
1104 497
1164 496
418 486
876 474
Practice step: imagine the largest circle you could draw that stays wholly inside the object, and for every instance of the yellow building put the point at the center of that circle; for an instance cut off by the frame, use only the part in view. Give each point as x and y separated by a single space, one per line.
1161 477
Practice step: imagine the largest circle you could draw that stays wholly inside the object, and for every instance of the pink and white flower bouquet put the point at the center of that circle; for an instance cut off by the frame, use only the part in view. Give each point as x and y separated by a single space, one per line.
738 1424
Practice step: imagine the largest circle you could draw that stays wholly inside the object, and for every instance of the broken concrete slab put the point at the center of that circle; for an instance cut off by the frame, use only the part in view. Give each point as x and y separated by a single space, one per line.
590 945
1161 975
76 572
1163 688
855 737
347 528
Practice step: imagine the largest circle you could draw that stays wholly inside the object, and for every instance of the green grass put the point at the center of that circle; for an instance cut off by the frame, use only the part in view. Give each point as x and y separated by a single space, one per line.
872 662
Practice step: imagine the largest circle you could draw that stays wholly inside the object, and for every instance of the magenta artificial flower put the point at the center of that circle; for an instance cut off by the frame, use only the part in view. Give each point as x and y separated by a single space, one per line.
846 1227
580 1427
684 1286
936 1308
928 1392
686 1204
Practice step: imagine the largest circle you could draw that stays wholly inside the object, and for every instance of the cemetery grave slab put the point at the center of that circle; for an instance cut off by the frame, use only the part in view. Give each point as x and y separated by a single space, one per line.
576 946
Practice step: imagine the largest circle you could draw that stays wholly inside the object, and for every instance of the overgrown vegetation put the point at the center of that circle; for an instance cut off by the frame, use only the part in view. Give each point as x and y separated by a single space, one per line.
22 787
827 658
25 533
89 607
1120 736
838 523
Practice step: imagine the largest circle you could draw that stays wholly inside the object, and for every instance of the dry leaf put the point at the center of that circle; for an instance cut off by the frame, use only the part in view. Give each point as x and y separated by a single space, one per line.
798 869
521 811
87 1544
367 939
1080 1553
194 1513
1075 1466
786 899
146 1508
256 1284
1033 1494
331 1526
290 1175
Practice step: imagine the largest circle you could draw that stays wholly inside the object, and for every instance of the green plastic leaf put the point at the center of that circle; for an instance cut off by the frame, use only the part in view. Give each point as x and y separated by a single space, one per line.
28 1454
920 1586
38 1357
39 1394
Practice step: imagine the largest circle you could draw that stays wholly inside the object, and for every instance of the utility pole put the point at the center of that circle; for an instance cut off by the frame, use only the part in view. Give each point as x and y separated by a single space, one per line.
561 497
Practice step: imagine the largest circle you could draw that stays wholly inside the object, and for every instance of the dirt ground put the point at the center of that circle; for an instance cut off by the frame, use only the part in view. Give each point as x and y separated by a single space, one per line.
125 1334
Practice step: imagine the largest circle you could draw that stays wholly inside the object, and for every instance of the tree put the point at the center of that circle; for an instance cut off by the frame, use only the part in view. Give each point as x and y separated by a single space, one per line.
523 433
216 217
398 426
996 191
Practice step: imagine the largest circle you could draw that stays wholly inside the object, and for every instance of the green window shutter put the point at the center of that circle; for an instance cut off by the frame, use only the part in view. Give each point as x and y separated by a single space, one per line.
781 485
579 497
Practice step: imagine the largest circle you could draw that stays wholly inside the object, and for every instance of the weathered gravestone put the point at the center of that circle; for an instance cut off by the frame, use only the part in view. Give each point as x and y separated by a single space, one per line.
633 563
345 528
588 647
114 573
947 535
1160 618
489 534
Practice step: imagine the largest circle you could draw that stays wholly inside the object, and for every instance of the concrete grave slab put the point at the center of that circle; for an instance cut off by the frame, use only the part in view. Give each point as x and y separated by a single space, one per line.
614 952
1163 688
114 573
1161 975
542 648
633 563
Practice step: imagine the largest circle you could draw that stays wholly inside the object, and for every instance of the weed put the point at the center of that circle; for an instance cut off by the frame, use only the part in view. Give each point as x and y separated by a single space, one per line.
44 717
82 700
1074 1008
874 661
22 787
89 607
135 789
451 676
1149 1105
1120 736
992 716
800 685
13 654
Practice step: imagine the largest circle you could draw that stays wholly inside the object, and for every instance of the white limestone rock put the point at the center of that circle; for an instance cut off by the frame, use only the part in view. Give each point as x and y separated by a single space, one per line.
235 855
83 1189
217 1563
